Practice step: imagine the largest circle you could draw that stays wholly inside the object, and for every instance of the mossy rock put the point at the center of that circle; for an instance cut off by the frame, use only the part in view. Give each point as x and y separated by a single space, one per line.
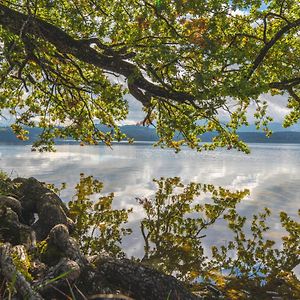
49 216
13 203
11 230
51 254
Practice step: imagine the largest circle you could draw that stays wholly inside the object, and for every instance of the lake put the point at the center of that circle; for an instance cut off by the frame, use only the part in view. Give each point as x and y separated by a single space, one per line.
271 172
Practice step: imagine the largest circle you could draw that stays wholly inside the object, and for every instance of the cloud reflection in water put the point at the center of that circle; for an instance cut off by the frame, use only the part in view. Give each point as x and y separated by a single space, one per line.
271 172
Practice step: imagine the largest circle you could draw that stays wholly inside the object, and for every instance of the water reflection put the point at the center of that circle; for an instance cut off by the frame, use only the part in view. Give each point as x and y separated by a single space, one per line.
271 172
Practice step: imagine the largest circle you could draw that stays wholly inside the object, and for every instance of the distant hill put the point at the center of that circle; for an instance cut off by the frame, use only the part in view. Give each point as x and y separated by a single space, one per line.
274 126
8 137
140 133
285 137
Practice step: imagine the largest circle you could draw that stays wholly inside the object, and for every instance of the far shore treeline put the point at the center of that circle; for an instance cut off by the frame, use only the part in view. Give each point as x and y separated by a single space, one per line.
140 133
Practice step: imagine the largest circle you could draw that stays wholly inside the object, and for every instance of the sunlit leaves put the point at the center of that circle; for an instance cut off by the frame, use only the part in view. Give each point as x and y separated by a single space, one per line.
250 265
223 53
98 226
175 224
256 262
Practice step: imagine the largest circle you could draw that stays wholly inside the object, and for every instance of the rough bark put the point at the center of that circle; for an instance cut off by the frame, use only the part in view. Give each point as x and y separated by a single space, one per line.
11 229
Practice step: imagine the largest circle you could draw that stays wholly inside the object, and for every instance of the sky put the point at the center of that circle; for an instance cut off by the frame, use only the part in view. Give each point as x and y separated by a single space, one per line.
277 110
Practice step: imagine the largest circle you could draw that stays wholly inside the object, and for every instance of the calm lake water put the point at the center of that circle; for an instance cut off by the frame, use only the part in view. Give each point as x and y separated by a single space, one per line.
271 172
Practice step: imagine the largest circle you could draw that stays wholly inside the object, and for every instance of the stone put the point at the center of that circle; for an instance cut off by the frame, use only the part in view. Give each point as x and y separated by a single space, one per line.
12 230
68 267
13 203
49 216
37 199
59 236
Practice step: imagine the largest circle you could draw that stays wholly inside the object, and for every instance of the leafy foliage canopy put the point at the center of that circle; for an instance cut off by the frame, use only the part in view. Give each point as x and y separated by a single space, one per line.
192 65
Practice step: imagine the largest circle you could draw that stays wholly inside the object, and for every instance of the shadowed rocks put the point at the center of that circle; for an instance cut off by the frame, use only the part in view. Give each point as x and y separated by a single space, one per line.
35 223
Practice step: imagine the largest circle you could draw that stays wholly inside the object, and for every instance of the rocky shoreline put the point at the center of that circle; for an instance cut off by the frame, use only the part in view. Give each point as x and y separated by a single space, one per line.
40 256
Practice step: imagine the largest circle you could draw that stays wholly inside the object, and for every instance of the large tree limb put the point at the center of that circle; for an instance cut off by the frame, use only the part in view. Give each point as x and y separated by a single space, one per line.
264 51
22 25
285 84
288 85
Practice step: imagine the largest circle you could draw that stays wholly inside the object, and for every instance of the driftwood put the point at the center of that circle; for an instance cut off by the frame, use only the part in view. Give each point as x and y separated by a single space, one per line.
36 214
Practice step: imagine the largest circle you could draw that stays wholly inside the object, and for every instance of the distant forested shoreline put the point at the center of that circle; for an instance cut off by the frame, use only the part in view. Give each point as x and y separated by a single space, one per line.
140 133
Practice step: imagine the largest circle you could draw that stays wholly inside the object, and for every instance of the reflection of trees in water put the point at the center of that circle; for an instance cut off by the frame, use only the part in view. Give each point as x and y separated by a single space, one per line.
177 219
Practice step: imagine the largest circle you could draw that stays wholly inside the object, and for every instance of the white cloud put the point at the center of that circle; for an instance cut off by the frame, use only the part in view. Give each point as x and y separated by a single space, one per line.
277 106
136 113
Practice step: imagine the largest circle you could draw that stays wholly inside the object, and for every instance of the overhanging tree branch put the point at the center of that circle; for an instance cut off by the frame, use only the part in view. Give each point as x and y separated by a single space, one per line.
285 84
20 23
264 51
182 70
